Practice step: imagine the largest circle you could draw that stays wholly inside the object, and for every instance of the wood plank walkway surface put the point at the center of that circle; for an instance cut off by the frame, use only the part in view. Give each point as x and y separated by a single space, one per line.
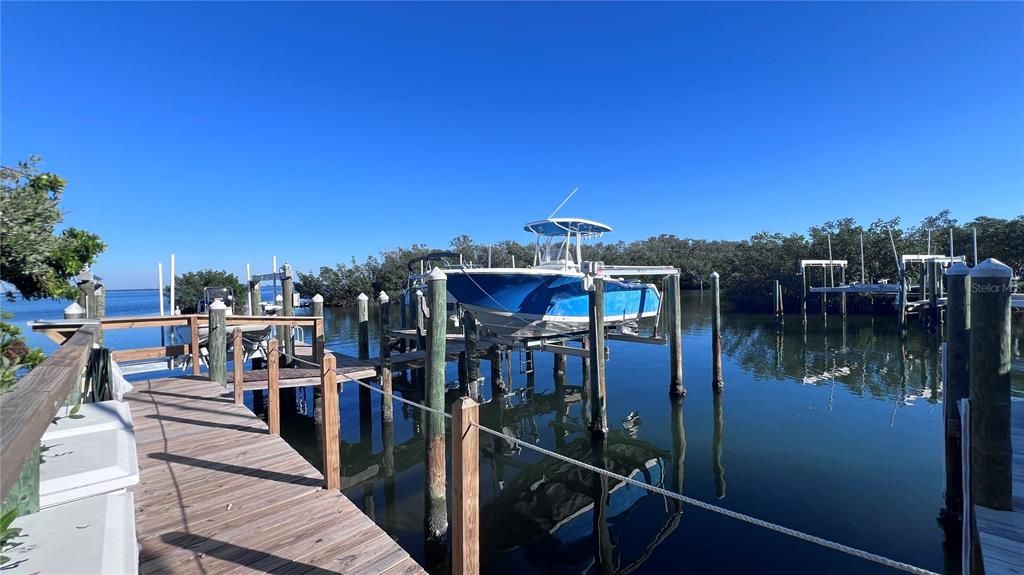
1001 533
218 494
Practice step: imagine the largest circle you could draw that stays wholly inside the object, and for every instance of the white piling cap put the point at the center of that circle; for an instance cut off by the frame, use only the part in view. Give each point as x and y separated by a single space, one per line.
419 293
436 274
73 309
218 304
383 297
318 298
958 269
992 268
362 297
714 274
279 297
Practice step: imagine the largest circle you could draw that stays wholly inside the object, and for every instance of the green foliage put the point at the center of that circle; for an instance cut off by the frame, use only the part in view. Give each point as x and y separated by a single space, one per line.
35 261
15 356
189 288
8 533
748 268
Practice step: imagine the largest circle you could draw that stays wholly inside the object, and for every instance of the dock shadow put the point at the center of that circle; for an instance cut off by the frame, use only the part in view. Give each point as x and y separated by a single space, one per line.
238 469
243 556
201 423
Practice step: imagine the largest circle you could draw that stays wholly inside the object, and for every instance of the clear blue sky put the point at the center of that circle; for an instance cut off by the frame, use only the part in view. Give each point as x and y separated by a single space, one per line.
228 133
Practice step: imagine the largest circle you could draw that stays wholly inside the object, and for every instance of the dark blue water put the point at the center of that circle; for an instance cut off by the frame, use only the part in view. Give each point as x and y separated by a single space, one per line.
835 430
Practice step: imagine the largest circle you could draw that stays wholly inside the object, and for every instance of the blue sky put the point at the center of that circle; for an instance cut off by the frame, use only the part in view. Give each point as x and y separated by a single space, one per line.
231 132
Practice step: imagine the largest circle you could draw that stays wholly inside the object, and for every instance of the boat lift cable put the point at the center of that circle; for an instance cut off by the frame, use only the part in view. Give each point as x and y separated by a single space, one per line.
853 551
479 287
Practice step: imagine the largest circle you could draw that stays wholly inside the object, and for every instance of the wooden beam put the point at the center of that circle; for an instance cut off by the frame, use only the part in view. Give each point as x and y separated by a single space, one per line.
465 487
28 409
273 389
150 352
332 439
238 365
193 325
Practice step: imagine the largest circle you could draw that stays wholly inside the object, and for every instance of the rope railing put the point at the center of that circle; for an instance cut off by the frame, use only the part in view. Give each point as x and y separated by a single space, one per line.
853 551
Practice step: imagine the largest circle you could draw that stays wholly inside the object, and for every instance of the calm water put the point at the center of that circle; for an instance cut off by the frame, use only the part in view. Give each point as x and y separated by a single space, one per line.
836 431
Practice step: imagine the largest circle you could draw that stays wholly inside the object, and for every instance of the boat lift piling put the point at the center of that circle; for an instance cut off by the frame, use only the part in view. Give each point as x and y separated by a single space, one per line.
384 329
956 382
716 335
598 409
436 512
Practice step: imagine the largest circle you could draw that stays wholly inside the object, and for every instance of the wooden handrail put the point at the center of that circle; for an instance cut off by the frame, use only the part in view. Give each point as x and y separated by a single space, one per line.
28 409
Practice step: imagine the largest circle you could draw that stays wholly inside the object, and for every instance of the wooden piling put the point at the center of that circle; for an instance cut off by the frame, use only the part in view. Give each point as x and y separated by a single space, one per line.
317 309
273 388
288 309
803 294
239 365
902 308
436 516
957 385
332 423
775 299
934 314
585 377
217 343
193 327
842 298
674 317
254 297
598 407
471 386
363 319
384 328
558 366
498 385
991 455
465 487
922 281
717 383
678 450
418 319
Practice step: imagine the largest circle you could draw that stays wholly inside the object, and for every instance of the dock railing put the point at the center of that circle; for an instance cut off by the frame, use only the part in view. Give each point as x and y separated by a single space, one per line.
29 408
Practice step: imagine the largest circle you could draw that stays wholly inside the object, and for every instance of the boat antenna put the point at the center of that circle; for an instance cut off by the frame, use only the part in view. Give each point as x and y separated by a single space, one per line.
563 202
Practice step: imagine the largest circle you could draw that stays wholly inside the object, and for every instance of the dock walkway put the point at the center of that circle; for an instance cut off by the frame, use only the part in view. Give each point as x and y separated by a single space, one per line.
1001 533
218 494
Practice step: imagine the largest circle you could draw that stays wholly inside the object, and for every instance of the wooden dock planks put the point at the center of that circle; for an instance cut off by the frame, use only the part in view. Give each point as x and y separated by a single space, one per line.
1001 533
218 494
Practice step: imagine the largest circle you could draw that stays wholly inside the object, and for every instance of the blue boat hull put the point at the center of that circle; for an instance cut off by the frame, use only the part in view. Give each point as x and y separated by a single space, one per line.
530 304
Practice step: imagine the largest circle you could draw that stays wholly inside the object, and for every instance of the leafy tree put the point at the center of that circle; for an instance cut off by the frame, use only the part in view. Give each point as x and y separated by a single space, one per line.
189 288
36 261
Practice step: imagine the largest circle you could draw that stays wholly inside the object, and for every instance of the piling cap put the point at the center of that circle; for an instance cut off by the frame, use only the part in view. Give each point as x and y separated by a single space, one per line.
383 297
714 274
958 269
419 293
362 297
74 311
436 275
992 268
318 298
279 297
218 304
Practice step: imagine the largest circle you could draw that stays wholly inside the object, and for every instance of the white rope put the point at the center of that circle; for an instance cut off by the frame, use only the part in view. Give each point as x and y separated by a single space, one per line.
399 399
716 509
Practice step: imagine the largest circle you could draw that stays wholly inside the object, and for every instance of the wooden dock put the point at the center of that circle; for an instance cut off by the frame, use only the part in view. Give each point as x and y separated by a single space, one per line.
1001 533
218 494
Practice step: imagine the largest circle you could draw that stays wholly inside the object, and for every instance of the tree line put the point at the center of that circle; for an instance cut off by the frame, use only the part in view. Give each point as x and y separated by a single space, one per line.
747 267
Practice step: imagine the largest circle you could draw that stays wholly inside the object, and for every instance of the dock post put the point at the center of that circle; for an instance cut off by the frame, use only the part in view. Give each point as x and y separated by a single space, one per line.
239 365
363 351
317 309
716 335
598 407
585 379
498 385
417 314
558 366
675 336
332 422
923 287
471 387
465 487
288 309
842 280
436 517
363 317
935 316
387 410
957 384
217 342
991 454
273 388
803 294
193 327
902 311
254 297
775 300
